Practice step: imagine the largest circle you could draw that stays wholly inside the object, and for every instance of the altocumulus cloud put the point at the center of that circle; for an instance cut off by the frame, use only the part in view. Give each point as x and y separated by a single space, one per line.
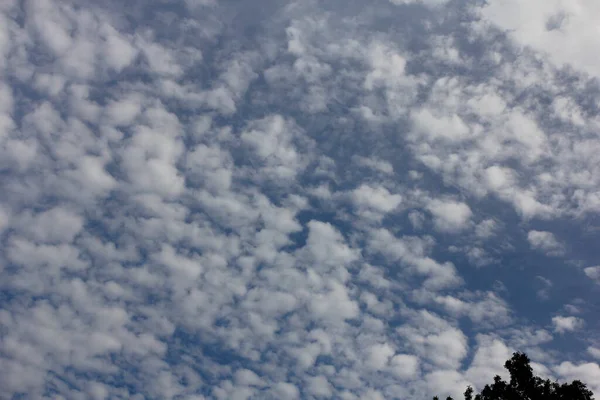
204 199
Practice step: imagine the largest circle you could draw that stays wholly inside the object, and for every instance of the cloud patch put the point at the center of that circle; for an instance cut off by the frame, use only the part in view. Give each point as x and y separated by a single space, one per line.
545 242
567 324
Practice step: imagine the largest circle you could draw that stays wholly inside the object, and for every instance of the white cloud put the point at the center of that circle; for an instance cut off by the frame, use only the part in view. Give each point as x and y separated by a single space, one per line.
124 111
334 306
53 30
327 246
567 324
378 165
319 387
444 128
4 41
435 339
149 160
379 356
272 141
374 202
446 383
56 225
544 287
404 366
484 309
488 361
563 30
417 219
545 242
593 273
414 252
286 391
160 59
192 207
449 215
585 372
118 52
594 352
499 178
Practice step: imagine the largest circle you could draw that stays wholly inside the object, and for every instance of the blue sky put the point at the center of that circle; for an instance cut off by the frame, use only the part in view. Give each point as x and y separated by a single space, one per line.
206 199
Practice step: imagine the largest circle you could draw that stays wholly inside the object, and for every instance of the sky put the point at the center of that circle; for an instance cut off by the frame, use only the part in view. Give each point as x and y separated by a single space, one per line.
304 199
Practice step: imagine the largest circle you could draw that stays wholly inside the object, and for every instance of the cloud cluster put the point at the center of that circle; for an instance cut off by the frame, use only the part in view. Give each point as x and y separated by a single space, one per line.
285 201
561 30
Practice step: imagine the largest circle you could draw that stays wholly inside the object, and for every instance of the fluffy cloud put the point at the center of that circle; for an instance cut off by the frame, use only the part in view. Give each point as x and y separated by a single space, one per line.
489 359
567 324
586 372
435 339
200 202
446 381
594 352
484 309
404 366
593 273
555 28
379 199
450 216
545 242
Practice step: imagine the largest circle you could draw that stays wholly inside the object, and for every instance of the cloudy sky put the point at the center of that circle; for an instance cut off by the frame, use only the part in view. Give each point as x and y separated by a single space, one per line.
272 199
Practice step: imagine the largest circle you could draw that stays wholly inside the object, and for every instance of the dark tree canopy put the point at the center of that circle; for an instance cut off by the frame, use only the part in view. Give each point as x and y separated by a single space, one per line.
524 385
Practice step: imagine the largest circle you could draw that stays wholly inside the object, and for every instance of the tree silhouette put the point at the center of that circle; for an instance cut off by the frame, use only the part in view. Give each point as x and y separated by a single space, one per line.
524 385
